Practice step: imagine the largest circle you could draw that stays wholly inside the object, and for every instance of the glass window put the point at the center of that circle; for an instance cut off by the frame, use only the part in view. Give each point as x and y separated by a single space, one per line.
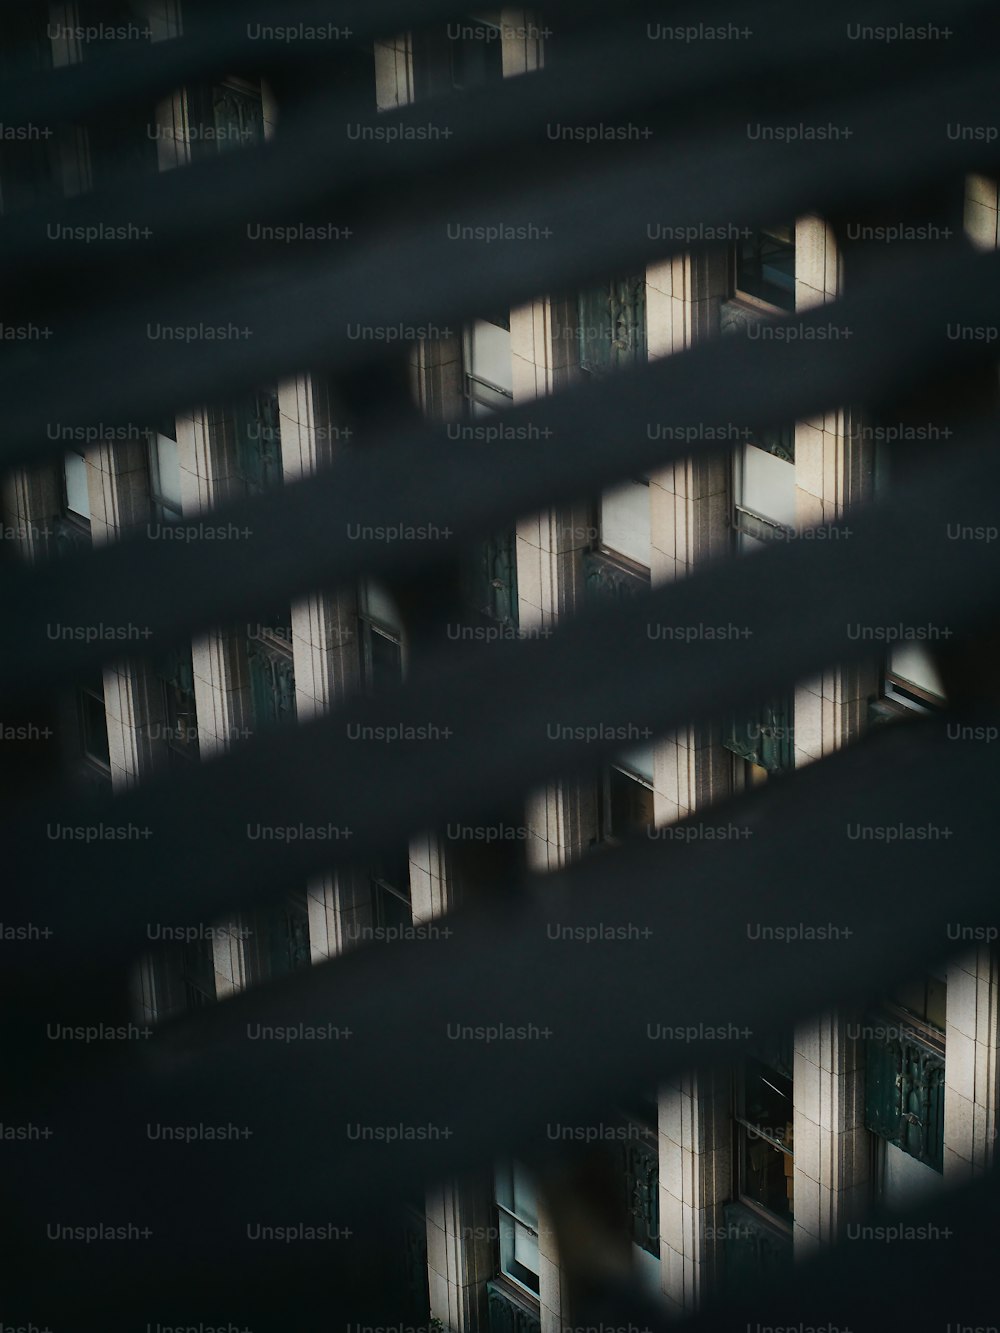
764 1132
390 885
278 936
765 266
489 378
517 1215
257 432
75 482
764 486
627 801
912 679
94 724
381 633
624 515
176 676
165 478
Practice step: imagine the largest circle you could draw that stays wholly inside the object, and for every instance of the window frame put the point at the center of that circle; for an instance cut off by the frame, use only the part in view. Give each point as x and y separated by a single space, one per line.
83 524
743 1127
503 1211
159 505
93 761
738 293
743 519
607 835
470 378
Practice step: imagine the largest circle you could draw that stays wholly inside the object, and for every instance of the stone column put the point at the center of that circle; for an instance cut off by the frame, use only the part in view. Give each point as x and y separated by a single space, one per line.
695 1135
970 1070
830 476
831 1178
689 515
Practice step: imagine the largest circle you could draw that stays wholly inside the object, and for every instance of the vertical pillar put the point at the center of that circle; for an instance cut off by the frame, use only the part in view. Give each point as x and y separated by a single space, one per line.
830 1171
830 477
970 1070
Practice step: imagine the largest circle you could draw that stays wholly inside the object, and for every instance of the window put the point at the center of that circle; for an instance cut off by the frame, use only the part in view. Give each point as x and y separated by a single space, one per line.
623 519
278 937
257 434
764 266
197 967
164 475
763 1116
94 725
272 674
76 497
490 572
612 336
381 634
627 795
476 53
764 488
390 888
180 720
910 680
517 1225
489 371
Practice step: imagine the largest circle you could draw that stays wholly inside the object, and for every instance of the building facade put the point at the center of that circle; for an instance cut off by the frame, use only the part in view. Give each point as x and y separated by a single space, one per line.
722 1174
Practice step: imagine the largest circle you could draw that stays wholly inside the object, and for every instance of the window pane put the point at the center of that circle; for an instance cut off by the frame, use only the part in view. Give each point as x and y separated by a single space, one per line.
491 358
631 805
517 1217
377 605
167 471
386 662
625 521
95 725
766 1174
765 266
913 663
767 1099
77 499
768 486
485 400
638 760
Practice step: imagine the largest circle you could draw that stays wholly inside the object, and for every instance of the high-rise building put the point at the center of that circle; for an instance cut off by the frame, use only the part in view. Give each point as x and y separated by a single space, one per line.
722 1173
